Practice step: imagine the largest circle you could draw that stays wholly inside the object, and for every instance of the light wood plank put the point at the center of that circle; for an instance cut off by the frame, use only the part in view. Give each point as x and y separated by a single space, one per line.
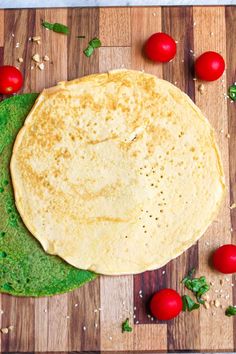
115 27
116 293
111 58
144 22
210 34
1 28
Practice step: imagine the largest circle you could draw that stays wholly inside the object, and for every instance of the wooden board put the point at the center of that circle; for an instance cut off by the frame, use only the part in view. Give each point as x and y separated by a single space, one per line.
89 319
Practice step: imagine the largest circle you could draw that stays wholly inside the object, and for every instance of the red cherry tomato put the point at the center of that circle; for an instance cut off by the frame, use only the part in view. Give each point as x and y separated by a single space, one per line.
209 66
224 259
166 304
160 47
11 79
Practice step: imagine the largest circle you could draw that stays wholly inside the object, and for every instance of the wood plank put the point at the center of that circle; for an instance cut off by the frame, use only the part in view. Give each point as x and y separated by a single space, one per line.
178 22
18 27
82 22
18 312
111 58
53 45
116 292
51 325
84 321
1 28
231 78
210 33
115 27
144 22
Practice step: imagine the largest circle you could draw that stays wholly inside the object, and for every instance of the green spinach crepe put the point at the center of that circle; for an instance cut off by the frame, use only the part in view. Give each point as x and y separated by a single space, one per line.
25 269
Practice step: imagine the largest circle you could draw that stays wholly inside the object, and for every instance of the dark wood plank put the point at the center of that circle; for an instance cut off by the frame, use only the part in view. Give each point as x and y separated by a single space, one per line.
178 22
19 26
83 22
18 312
230 12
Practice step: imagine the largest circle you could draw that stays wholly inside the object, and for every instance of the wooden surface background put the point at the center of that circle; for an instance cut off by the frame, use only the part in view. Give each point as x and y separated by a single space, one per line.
90 318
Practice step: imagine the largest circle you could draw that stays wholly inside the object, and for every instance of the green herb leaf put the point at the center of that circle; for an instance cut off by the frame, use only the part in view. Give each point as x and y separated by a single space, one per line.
189 276
198 286
80 36
95 43
232 92
126 326
89 51
230 311
189 304
56 27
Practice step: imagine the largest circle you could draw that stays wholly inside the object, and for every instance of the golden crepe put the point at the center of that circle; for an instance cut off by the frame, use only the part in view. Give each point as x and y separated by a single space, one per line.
117 173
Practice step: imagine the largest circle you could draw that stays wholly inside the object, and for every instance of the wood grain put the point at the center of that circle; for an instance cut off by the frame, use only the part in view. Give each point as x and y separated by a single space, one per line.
231 78
115 27
82 22
213 36
178 22
1 28
144 22
57 324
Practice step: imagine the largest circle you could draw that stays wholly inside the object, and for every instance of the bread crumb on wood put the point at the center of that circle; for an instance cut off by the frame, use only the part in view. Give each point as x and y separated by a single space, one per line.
36 58
206 305
46 58
41 66
11 328
217 303
233 206
4 330
201 89
20 60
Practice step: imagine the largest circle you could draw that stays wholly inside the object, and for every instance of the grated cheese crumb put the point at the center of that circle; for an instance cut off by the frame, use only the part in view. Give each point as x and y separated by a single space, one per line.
20 60
217 303
206 305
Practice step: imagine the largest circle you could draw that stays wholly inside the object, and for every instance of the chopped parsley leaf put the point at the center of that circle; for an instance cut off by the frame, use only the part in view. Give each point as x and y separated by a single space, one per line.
126 326
230 311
